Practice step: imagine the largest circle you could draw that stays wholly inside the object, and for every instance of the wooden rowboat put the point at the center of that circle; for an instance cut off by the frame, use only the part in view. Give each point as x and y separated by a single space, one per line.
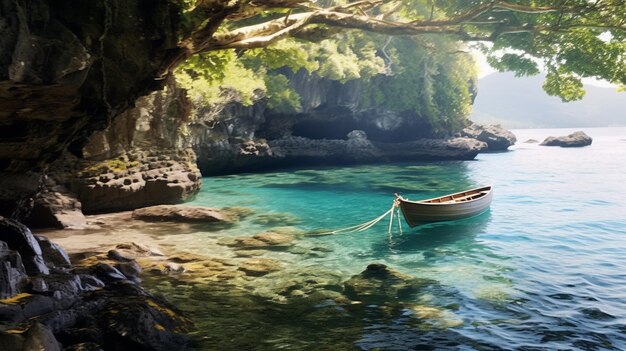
464 204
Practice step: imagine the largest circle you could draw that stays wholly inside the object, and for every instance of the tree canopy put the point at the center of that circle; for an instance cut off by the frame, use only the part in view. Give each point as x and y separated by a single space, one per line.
570 39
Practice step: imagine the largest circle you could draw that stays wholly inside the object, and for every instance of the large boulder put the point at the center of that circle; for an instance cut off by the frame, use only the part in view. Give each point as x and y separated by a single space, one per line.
19 238
88 307
143 158
56 207
496 137
265 240
137 179
576 139
257 267
53 254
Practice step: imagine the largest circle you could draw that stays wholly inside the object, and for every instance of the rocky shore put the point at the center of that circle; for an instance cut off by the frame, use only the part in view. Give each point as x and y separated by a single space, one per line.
357 148
91 298
48 303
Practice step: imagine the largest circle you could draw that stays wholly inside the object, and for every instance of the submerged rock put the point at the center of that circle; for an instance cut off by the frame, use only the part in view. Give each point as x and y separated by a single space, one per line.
277 218
379 283
139 250
259 266
186 214
496 137
531 141
576 139
261 241
300 282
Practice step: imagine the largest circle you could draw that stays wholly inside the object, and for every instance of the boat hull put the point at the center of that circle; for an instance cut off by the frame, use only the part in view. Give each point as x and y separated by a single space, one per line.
468 204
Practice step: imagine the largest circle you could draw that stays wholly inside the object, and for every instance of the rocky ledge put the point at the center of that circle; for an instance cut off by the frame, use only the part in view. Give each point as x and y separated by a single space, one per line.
357 148
137 180
46 303
576 139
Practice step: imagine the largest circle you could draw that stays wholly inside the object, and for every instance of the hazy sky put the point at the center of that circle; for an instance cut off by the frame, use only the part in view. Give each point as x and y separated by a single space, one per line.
484 69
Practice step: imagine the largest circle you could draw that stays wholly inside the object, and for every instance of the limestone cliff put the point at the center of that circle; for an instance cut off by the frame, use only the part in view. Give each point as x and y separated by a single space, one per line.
66 69
144 158
234 138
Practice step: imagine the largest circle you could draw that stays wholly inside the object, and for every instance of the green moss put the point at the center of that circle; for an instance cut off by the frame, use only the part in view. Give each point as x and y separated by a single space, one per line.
107 166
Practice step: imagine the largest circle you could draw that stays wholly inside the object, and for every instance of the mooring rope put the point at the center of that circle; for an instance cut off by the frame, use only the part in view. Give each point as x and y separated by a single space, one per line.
367 225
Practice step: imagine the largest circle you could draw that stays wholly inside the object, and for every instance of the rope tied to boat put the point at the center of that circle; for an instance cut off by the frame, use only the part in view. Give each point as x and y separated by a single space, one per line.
367 225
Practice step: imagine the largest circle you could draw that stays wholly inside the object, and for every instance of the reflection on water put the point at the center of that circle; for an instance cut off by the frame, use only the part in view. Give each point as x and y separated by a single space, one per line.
431 236
542 270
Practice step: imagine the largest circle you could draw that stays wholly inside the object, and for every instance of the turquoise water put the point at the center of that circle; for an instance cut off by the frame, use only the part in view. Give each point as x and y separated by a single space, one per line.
545 268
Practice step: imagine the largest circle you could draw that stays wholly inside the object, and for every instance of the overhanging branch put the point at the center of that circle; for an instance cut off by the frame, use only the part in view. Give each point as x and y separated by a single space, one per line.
305 20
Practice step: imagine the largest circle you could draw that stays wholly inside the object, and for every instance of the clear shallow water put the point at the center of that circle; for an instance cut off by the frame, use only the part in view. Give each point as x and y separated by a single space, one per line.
544 269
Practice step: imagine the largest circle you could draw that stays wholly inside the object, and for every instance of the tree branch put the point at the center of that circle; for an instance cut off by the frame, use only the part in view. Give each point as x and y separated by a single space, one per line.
354 16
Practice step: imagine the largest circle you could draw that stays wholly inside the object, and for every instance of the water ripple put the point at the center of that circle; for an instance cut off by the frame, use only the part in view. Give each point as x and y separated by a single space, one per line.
543 270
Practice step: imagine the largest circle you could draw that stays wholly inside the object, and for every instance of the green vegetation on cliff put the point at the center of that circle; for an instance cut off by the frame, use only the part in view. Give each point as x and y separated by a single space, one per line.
571 39
400 74
413 56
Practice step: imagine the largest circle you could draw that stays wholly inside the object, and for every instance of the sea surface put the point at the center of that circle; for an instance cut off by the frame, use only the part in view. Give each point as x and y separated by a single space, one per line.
544 269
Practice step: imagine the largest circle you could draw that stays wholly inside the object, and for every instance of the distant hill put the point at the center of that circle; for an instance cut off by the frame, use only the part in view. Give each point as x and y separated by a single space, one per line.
522 103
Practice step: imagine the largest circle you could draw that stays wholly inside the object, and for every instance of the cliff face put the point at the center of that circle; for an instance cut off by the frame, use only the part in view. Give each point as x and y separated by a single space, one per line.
239 138
144 158
69 69
331 110
66 69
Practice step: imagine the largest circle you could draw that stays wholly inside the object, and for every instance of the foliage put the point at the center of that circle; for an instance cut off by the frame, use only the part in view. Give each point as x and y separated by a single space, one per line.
280 97
566 85
570 39
210 77
244 47
402 74
429 78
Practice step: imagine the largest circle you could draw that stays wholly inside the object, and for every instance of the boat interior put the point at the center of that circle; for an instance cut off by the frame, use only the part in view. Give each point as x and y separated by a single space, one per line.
460 197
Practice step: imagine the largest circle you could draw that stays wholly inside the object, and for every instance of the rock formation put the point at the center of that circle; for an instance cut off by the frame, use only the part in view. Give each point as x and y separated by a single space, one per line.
48 304
576 139
142 159
331 127
496 137
66 69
